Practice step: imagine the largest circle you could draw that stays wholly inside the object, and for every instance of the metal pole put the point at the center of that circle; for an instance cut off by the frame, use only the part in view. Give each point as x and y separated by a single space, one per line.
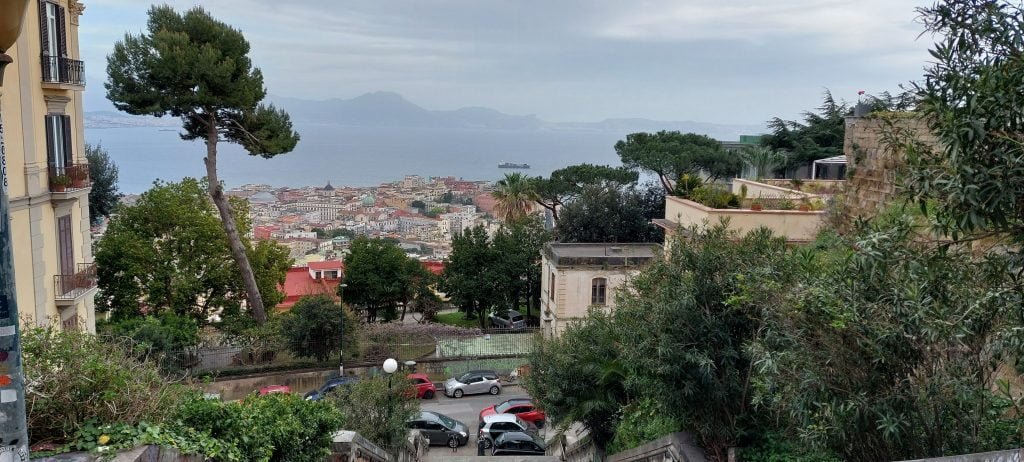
13 427
341 346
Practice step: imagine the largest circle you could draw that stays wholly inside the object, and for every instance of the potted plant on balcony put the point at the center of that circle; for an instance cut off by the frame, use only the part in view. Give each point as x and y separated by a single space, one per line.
78 177
805 205
757 205
59 183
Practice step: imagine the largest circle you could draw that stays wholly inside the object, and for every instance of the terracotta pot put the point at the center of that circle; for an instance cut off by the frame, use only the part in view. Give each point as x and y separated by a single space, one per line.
57 188
805 208
756 207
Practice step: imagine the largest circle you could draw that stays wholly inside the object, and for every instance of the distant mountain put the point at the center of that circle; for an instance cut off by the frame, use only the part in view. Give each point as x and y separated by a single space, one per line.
388 109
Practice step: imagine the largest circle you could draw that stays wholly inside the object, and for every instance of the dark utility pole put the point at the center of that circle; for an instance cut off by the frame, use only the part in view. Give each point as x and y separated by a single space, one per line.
13 429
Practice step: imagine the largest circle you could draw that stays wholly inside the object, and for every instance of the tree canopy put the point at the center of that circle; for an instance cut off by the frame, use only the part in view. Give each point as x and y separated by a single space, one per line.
167 252
670 154
312 328
608 213
197 68
820 135
568 183
380 276
103 197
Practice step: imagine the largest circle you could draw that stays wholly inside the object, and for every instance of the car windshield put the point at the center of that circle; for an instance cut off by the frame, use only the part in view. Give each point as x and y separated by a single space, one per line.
465 378
446 421
501 408
517 318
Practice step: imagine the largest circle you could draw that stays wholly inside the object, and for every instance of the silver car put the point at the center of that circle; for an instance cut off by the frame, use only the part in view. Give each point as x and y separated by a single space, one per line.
510 319
473 382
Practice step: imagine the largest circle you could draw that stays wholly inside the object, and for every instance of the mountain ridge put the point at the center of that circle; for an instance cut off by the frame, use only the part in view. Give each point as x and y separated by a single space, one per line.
390 109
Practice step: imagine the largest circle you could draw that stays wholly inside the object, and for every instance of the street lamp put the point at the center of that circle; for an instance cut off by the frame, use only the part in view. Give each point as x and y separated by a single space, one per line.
390 366
341 345
13 429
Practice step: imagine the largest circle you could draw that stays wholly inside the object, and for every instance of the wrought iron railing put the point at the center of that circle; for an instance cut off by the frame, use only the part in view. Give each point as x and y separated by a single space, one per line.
72 286
59 69
69 177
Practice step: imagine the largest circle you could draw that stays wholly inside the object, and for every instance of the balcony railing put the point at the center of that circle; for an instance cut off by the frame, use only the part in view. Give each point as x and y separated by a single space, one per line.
69 177
72 286
58 69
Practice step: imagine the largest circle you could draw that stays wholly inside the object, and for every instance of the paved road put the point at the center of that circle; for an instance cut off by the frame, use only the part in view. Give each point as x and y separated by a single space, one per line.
467 410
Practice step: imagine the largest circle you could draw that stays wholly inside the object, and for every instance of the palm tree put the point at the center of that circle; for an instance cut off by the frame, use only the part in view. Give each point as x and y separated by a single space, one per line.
515 195
762 159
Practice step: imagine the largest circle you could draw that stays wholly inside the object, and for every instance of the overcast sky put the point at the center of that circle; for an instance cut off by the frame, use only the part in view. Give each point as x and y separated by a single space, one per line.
725 61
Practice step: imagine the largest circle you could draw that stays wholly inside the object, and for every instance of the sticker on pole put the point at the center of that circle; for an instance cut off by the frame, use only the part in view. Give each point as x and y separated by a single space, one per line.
3 159
13 454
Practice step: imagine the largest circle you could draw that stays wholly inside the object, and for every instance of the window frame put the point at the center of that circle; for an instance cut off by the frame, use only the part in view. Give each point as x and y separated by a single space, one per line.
599 291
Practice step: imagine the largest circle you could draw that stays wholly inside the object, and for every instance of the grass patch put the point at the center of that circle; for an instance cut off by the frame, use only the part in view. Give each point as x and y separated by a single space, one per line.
456 319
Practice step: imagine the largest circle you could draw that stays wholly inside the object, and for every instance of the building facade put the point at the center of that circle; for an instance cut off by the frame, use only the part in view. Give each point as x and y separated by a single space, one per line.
576 277
47 174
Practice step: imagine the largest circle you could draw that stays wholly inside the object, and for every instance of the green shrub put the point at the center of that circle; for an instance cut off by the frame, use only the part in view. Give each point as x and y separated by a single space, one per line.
73 377
642 421
777 448
166 332
275 427
375 413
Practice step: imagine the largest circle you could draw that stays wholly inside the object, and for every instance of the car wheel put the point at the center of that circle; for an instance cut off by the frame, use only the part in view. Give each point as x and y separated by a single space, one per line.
453 442
457 393
487 443
495 390
428 395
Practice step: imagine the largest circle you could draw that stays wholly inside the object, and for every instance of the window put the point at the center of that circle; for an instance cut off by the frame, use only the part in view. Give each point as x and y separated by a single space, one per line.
598 290
65 246
53 38
551 284
58 143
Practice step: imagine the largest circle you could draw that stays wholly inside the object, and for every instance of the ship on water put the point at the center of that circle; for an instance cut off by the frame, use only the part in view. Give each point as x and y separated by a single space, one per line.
512 165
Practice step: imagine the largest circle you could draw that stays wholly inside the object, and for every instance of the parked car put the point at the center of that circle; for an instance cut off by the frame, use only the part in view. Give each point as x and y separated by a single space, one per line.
329 386
275 389
495 425
523 408
440 429
510 319
518 444
424 387
473 382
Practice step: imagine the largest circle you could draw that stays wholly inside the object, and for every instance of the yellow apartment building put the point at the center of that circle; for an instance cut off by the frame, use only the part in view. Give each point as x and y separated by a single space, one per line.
48 177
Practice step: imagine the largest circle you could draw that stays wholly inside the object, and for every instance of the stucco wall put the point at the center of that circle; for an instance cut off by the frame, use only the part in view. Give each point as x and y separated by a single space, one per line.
573 293
33 209
795 225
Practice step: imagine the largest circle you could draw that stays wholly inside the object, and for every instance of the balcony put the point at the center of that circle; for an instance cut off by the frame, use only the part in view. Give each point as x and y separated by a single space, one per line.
63 73
69 181
69 288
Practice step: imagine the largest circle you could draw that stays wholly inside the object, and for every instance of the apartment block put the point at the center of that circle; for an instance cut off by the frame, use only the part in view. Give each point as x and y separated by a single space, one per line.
48 177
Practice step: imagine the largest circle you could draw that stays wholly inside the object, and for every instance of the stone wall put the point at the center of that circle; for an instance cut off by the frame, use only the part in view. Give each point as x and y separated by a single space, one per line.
874 170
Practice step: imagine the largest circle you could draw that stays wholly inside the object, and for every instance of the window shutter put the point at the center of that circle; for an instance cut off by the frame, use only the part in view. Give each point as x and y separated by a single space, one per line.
44 33
62 33
51 158
68 156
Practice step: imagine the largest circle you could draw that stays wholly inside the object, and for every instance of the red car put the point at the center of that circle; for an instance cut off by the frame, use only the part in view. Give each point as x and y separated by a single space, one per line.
275 389
523 408
424 387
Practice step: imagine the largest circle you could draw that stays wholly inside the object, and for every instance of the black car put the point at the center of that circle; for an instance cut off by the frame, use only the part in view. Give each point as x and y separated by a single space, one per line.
440 429
332 383
518 444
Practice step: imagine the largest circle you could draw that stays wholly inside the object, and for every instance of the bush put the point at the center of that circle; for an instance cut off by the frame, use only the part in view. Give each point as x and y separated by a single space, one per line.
313 327
641 421
72 378
275 427
166 332
377 412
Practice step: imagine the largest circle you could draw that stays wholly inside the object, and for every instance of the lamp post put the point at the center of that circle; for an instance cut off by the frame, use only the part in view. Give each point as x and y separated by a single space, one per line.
390 366
341 334
13 429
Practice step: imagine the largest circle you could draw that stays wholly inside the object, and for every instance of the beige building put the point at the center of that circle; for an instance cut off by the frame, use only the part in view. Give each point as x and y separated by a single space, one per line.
576 277
47 174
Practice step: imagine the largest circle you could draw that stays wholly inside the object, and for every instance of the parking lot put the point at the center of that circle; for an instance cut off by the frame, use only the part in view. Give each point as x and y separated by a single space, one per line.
467 410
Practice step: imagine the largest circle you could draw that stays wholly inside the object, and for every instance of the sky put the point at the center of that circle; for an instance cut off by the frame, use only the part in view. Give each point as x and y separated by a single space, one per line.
722 61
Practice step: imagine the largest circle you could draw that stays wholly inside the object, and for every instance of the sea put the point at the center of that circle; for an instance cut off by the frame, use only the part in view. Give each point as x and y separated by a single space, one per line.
353 156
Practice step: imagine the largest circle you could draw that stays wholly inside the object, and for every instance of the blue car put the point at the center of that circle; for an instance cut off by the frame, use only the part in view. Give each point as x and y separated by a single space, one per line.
332 383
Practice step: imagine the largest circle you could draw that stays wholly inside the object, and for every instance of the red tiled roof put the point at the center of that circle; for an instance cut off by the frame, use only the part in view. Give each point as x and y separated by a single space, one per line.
325 265
436 267
298 284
